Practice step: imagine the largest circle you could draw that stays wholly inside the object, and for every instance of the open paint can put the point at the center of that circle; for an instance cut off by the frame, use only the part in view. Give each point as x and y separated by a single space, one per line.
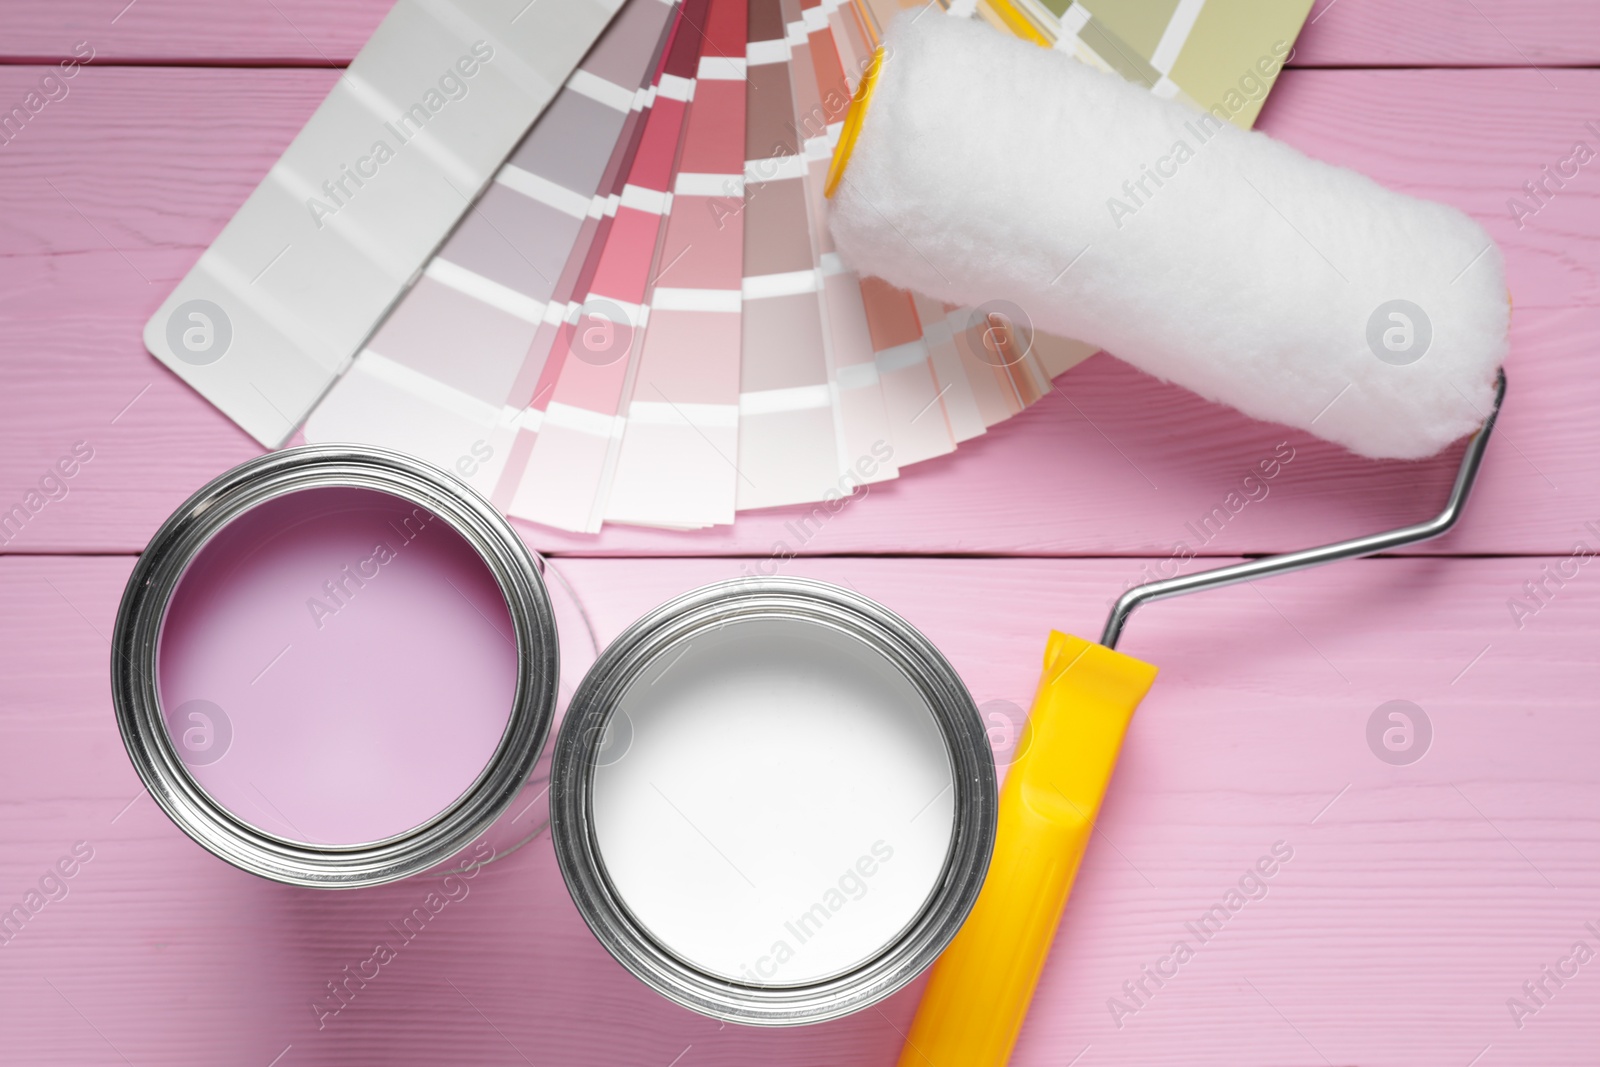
773 801
335 666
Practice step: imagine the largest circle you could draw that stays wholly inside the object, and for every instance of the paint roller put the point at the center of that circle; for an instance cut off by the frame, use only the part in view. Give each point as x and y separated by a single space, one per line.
975 167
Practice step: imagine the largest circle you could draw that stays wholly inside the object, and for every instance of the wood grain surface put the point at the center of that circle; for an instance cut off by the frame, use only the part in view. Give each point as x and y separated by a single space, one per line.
1419 898
1361 33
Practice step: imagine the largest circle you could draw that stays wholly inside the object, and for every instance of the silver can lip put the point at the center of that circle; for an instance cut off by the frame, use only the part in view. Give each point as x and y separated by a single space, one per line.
577 754
143 610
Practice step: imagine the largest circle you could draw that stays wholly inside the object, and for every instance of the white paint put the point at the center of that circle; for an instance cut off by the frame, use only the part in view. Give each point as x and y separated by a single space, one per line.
777 768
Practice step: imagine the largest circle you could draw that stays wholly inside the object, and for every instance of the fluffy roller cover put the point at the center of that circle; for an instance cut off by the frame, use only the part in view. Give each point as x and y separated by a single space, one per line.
1298 292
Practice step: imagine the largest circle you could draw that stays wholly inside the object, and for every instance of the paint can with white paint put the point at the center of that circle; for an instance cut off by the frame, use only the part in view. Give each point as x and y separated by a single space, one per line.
773 801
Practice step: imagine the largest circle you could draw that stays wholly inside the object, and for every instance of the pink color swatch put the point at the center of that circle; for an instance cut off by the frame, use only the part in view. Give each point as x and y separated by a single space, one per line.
567 474
678 460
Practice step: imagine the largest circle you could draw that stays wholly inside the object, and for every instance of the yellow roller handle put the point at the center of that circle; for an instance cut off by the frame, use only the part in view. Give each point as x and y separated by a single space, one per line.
978 993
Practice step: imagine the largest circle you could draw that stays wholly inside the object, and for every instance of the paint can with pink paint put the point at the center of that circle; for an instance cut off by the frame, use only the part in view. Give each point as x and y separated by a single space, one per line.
335 666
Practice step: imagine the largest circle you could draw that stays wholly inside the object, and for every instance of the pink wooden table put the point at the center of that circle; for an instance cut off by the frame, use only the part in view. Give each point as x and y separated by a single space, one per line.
1420 898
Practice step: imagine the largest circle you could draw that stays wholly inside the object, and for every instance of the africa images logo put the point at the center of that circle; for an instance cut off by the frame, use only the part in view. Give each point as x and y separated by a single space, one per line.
1399 732
1399 332
199 332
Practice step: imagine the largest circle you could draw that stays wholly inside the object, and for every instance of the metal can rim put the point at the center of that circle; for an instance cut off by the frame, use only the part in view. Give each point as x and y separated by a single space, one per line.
631 943
142 612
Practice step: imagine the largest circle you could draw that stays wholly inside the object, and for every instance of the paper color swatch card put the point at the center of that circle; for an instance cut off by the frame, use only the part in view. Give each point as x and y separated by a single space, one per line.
1219 55
450 375
677 463
278 305
569 469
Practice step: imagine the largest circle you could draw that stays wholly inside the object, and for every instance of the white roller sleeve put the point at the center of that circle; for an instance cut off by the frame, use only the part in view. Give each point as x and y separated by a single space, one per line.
1220 259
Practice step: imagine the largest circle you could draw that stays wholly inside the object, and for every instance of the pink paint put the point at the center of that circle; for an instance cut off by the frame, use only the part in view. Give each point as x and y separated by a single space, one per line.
362 658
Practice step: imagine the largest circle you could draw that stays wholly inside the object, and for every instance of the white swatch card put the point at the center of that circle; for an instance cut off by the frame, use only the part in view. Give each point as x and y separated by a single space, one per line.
277 307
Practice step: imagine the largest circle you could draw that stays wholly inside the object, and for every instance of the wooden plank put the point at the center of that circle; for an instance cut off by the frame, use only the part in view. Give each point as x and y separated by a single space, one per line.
1418 899
111 195
303 32
1450 33
239 33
